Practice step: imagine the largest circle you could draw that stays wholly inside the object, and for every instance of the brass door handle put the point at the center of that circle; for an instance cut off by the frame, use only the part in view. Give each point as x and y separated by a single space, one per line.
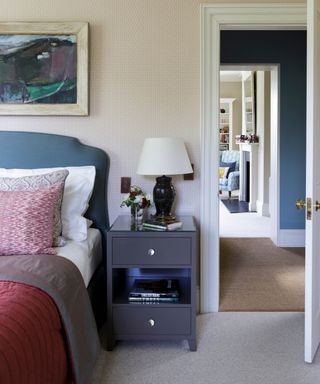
300 204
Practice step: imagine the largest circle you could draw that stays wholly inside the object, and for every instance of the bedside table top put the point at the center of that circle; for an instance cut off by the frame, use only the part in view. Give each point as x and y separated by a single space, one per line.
123 223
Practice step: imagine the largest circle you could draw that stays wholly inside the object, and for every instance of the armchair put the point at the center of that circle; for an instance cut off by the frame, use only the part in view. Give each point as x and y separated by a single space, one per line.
231 182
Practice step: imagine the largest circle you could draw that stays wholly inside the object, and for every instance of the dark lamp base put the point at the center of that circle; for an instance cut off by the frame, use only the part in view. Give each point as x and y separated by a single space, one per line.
163 197
164 219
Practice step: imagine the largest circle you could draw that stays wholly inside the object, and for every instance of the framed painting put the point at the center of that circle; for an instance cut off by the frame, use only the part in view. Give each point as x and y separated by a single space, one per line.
44 68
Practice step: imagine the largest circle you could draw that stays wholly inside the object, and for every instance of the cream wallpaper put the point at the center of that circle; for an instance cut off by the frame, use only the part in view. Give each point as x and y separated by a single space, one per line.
144 82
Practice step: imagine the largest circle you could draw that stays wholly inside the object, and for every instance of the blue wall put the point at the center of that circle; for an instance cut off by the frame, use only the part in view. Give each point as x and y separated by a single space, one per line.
287 48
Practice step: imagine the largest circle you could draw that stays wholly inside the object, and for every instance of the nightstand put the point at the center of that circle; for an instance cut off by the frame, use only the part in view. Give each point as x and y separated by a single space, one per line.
134 253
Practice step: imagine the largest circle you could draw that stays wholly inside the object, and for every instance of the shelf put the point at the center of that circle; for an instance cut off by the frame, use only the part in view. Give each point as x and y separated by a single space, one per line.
225 124
121 295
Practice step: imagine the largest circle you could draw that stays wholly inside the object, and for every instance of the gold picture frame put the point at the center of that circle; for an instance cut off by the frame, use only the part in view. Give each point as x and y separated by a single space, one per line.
32 79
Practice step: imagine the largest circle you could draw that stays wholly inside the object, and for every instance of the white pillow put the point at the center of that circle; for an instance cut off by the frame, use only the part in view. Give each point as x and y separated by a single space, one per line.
77 192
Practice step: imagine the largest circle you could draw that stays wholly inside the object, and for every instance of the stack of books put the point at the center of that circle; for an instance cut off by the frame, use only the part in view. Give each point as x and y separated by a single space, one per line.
165 290
155 225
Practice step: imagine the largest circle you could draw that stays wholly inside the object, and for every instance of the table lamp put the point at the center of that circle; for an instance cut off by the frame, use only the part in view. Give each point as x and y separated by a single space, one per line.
164 156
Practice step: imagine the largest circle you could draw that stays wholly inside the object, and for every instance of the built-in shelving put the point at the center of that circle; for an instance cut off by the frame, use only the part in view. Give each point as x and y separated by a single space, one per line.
225 124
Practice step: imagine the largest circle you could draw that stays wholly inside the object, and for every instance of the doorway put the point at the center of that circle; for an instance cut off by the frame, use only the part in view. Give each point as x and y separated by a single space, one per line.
214 19
244 150
263 47
255 275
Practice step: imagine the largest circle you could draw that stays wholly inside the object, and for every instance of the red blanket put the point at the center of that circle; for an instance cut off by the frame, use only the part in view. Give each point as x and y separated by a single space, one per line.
32 345
30 328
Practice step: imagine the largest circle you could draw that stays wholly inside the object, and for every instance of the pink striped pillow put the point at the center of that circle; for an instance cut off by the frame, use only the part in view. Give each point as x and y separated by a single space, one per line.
27 220
33 182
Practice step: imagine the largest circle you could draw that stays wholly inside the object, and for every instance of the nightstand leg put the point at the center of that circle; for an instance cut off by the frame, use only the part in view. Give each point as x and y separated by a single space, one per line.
192 344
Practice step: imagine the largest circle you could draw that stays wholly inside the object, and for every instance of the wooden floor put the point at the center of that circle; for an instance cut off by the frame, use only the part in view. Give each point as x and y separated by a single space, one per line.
255 275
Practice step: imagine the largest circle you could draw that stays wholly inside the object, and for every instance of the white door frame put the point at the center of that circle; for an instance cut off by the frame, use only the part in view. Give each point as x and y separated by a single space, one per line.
214 18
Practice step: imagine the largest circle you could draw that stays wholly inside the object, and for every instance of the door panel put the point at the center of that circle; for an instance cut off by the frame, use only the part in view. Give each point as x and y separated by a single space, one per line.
312 287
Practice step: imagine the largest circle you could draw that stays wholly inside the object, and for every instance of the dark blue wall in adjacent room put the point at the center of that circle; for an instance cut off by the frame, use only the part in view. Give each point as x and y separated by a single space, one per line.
287 48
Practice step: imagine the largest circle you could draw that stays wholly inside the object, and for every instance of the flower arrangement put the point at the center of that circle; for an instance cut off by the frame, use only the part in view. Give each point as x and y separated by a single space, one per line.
137 198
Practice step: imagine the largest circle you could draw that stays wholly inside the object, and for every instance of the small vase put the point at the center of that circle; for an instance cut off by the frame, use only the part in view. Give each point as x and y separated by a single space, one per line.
137 213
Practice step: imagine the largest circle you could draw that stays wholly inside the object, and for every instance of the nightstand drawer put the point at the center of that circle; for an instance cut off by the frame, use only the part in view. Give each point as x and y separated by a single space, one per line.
151 251
138 320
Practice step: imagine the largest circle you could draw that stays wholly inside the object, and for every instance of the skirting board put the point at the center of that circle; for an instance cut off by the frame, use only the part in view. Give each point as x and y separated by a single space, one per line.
263 208
291 238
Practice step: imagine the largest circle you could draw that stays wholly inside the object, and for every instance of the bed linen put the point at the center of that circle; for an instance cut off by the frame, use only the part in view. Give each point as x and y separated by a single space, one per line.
86 254
57 151
26 282
76 196
27 355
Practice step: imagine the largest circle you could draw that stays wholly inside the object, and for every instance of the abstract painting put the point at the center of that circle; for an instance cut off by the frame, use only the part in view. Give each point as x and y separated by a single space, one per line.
38 69
43 72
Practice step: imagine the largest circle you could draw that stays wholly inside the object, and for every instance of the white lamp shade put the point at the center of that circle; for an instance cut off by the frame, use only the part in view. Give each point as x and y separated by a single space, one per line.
164 156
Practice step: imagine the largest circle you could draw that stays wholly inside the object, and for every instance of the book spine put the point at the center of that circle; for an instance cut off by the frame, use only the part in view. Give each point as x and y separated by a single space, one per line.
175 225
154 295
154 299
163 227
154 226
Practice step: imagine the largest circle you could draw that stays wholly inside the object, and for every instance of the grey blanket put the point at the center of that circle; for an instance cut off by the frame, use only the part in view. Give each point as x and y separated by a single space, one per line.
61 280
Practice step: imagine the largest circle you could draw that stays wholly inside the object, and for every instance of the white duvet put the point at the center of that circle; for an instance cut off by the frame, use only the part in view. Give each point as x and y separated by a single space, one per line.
86 254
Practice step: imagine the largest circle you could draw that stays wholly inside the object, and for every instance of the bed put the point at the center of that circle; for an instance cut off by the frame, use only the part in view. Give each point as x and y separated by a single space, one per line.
61 345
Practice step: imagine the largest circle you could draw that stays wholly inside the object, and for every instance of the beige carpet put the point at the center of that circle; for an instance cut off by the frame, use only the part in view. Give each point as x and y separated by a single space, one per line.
255 275
233 348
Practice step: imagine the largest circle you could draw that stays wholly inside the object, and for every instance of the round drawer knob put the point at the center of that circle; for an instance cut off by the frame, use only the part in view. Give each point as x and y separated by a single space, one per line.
151 252
151 322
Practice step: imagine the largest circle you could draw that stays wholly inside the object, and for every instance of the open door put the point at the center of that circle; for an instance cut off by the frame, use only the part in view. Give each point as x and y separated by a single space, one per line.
312 285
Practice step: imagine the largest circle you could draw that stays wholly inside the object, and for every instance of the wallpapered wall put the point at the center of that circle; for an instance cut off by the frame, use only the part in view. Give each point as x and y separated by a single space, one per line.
144 82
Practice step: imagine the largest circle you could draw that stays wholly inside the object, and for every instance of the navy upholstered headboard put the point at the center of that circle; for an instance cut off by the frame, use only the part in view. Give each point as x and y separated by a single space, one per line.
42 150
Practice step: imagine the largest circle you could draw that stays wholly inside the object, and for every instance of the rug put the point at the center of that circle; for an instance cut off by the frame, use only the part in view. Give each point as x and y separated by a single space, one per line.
235 206
255 275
